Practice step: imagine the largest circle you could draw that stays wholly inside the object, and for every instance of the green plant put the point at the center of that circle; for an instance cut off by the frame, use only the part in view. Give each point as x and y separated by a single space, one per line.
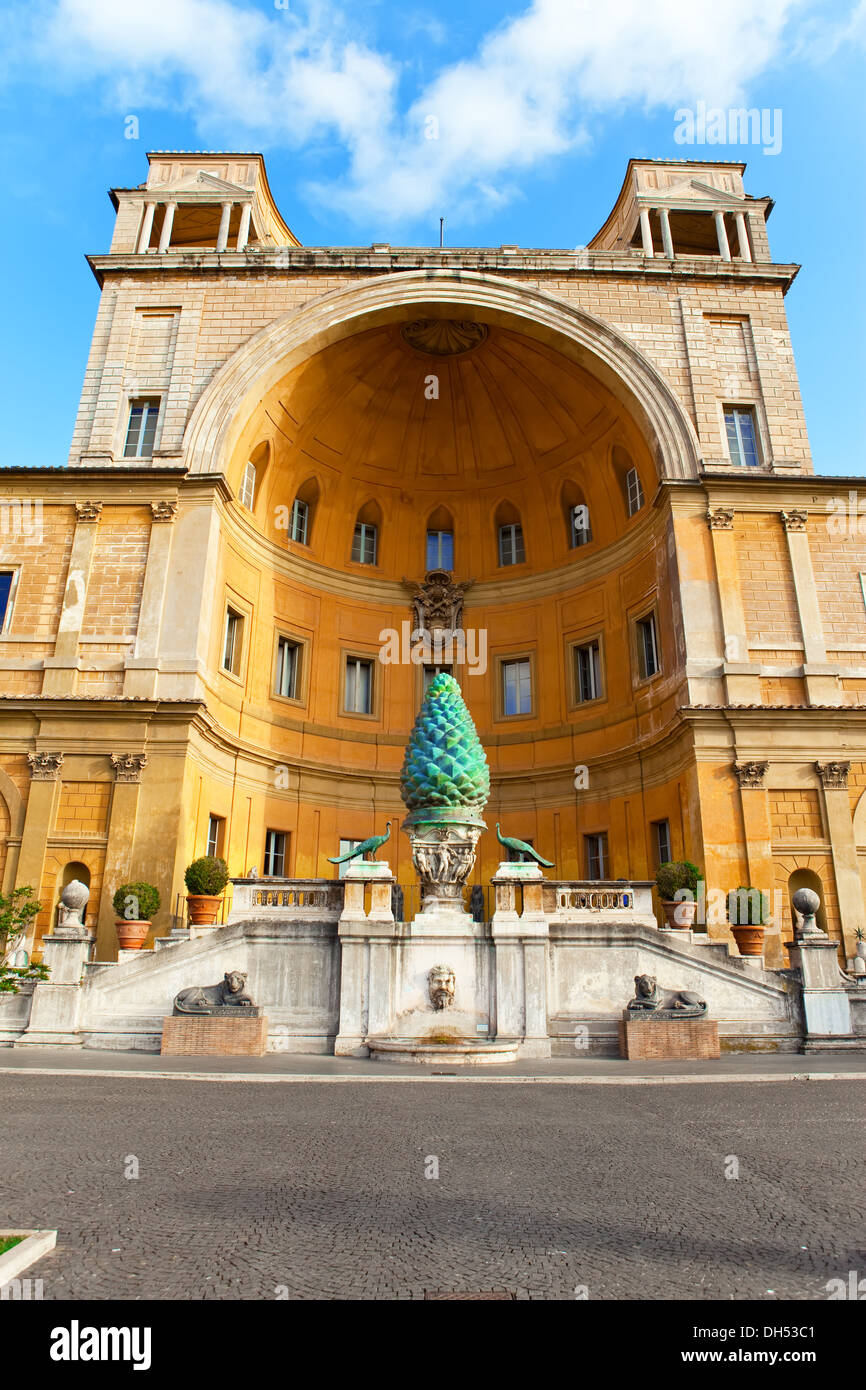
11 976
9 1242
17 911
859 934
136 902
206 877
748 907
672 877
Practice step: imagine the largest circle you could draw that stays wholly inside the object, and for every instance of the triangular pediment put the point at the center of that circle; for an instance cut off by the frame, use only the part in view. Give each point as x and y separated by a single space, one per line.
695 190
202 182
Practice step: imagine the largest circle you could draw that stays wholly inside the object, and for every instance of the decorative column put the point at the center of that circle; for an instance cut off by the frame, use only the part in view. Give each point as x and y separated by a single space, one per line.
722 235
167 224
743 237
366 945
646 232
757 825
141 671
833 777
38 823
223 234
667 239
822 685
146 227
61 668
127 768
742 677
244 228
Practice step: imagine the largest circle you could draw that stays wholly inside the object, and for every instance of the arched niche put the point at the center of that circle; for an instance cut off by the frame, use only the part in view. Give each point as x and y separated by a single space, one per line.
807 878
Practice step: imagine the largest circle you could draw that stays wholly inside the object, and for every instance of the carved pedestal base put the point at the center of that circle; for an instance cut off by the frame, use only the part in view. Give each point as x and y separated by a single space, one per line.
208 1035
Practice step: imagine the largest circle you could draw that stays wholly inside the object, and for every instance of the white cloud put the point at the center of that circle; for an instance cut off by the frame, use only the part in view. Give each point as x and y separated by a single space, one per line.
536 88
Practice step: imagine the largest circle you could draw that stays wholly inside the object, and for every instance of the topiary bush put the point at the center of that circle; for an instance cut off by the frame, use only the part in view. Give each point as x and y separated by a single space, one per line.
136 902
206 877
671 878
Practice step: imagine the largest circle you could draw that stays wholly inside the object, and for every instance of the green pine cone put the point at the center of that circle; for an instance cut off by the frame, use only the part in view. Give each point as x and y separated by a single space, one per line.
445 764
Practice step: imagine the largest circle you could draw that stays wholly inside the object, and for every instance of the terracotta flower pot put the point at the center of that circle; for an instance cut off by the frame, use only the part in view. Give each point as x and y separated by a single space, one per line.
131 934
203 908
680 915
750 940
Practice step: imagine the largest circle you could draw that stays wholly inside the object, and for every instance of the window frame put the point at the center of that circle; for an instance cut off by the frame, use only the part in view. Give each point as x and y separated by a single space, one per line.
133 403
582 644
657 826
438 565
6 619
348 654
632 475
365 527
508 659
245 489
602 837
219 842
517 541
638 648
748 409
299 502
574 531
297 696
285 835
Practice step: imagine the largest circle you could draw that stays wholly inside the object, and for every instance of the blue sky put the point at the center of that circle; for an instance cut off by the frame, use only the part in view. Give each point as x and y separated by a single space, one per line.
538 106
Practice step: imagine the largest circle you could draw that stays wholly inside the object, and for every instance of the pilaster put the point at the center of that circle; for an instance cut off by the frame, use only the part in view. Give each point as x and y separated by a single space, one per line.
60 669
822 686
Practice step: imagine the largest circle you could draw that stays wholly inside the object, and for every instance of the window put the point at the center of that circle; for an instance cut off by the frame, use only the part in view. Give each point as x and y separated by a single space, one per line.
511 550
288 662
581 530
233 641
215 836
587 672
7 584
440 550
359 686
247 494
299 522
634 491
141 430
275 854
662 837
742 436
345 847
516 688
364 543
431 672
596 855
647 647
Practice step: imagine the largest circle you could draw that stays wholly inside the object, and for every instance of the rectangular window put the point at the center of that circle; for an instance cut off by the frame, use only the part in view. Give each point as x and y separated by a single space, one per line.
647 647
364 544
7 578
288 662
299 521
516 687
587 672
581 530
346 846
247 495
511 551
440 550
215 837
233 641
141 430
275 854
634 491
596 856
431 672
662 835
742 435
359 686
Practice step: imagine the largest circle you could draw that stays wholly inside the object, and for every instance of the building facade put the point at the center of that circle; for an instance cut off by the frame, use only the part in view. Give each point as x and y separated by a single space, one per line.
284 454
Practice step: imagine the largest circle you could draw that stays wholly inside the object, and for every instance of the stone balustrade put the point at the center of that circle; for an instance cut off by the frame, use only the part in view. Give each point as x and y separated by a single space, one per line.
583 899
286 897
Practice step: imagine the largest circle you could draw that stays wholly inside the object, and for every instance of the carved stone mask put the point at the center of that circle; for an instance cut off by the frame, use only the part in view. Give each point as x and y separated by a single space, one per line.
441 985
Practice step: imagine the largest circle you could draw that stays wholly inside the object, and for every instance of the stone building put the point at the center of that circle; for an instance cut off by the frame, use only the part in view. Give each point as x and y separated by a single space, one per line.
603 449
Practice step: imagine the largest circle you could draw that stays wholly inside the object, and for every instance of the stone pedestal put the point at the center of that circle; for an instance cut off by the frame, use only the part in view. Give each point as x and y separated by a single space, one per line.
66 953
520 945
365 947
207 1035
826 1010
656 1039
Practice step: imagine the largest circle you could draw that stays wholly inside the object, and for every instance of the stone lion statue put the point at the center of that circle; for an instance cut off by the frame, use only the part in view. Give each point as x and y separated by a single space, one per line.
441 984
211 999
651 1002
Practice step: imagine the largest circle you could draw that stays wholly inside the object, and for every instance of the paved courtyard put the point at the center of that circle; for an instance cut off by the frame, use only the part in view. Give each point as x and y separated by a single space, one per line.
318 1190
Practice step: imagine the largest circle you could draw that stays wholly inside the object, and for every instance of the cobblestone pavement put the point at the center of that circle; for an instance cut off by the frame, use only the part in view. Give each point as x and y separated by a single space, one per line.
319 1191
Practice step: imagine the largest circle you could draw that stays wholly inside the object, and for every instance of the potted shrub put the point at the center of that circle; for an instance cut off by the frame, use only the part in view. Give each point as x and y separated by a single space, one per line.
135 905
748 910
205 879
673 878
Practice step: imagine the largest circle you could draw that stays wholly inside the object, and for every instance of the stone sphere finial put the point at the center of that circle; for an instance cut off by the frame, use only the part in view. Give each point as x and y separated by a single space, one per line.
807 902
73 901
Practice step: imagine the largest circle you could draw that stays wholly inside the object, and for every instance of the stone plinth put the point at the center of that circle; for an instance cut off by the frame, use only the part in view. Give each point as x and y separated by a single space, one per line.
648 1040
66 953
209 1035
379 876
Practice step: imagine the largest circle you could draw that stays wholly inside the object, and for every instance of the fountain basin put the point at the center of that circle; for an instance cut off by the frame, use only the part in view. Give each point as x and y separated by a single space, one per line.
471 1052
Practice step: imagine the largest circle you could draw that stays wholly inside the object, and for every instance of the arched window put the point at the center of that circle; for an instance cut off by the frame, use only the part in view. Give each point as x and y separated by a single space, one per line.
303 512
578 527
365 541
629 480
509 533
440 540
